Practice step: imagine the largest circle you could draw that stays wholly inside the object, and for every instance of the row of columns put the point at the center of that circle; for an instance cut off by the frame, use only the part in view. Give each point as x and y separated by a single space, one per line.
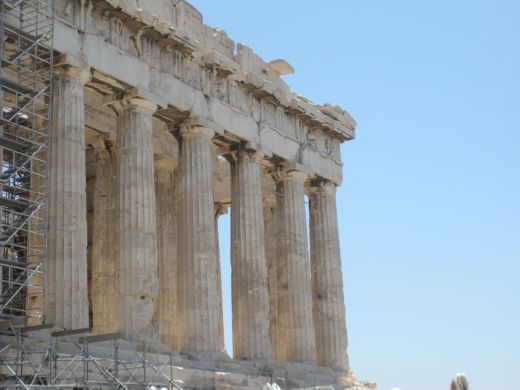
160 264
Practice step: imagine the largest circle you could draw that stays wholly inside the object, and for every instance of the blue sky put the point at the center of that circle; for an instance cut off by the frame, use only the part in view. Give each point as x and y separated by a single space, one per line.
430 206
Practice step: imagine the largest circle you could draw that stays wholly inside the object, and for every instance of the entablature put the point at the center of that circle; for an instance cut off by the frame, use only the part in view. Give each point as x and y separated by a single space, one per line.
128 49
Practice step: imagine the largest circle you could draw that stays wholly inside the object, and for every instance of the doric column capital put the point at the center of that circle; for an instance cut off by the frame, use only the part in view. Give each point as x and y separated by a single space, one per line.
292 170
292 174
321 186
248 151
102 147
79 74
135 103
250 155
197 132
295 175
199 121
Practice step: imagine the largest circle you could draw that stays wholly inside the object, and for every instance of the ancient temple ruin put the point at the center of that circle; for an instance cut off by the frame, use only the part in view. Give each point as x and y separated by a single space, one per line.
160 124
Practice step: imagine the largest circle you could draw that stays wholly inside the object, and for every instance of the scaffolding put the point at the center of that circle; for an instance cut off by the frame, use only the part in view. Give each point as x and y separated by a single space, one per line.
33 358
26 32
42 357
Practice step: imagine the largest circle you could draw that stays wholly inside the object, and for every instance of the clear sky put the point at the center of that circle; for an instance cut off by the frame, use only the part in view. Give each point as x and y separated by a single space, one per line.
430 205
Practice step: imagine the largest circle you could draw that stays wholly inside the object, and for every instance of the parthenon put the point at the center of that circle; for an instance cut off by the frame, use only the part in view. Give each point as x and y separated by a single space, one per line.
161 124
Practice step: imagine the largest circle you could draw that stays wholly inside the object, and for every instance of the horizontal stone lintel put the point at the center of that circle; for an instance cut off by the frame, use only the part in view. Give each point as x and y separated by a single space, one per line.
180 39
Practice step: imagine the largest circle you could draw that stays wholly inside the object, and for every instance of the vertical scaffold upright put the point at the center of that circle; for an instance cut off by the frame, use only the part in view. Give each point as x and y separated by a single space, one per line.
26 33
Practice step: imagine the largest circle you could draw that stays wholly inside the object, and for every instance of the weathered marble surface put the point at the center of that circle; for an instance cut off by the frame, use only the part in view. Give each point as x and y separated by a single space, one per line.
248 261
327 278
105 278
66 282
296 334
166 204
197 256
136 213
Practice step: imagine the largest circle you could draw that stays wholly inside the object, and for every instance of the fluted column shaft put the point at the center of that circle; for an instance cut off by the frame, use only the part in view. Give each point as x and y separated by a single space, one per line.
137 234
66 279
271 254
197 272
165 194
250 294
296 328
105 283
327 281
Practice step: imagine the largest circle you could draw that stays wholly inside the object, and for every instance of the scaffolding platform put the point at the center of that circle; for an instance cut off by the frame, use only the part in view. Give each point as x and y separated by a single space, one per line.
26 54
41 357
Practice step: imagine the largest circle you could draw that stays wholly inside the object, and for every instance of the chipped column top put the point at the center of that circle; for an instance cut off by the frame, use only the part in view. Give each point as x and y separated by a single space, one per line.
181 22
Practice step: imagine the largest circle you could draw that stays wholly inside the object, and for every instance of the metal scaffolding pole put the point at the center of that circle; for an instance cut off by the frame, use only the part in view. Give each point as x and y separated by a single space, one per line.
26 33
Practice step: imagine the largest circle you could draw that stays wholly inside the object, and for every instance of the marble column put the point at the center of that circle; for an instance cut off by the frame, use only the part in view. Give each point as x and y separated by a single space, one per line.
250 295
66 279
105 283
197 267
271 254
296 328
135 208
165 194
327 281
